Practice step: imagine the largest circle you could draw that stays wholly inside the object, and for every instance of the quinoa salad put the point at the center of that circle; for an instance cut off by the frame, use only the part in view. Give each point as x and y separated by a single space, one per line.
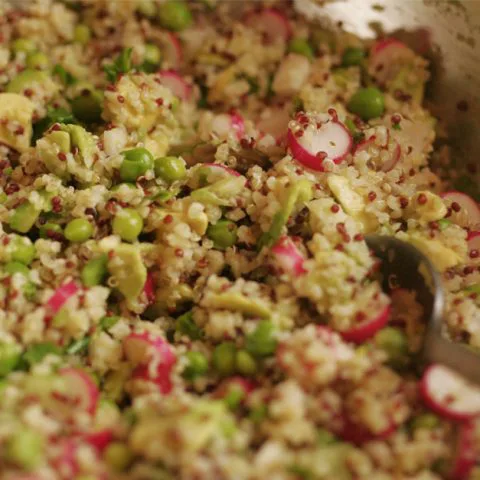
185 287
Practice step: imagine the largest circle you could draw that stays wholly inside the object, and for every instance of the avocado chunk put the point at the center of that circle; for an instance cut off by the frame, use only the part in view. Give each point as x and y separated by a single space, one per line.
24 217
240 303
328 462
127 267
298 194
16 111
219 193
26 79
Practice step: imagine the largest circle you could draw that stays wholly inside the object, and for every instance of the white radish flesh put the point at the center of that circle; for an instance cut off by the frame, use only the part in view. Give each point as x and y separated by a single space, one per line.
272 23
288 257
141 348
178 85
172 50
385 55
465 210
225 124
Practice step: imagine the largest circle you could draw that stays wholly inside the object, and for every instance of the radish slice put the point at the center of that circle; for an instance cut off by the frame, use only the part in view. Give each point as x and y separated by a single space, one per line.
80 393
358 434
149 288
364 144
465 210
225 123
331 140
172 50
99 440
272 23
465 453
449 394
159 376
176 83
367 328
275 124
385 55
394 158
66 463
288 257
61 295
142 348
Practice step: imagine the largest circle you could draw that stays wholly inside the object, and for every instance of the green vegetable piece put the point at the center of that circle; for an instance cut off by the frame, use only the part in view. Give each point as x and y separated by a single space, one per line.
197 365
219 193
25 45
223 234
473 288
88 108
395 344
241 303
259 413
147 8
127 267
37 352
185 325
245 363
234 397
174 15
121 65
9 357
25 448
24 217
302 47
152 54
78 230
37 61
127 224
25 80
65 77
262 342
136 162
170 169
95 271
324 437
78 347
83 140
108 322
82 34
223 358
50 230
403 83
367 103
118 456
298 194
57 115
427 421
444 223
29 290
21 249
49 148
353 57
16 267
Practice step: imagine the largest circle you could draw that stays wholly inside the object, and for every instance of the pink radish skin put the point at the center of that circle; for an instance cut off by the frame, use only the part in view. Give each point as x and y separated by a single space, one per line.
449 395
395 157
149 289
332 138
66 462
465 455
160 376
469 214
99 440
272 23
61 295
224 123
367 328
176 83
385 53
172 50
288 257
357 434
141 348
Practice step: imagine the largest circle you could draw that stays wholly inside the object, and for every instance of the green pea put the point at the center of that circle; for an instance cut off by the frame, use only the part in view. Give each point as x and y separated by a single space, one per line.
261 342
24 217
170 169
395 344
136 162
147 8
426 420
37 61
78 230
50 230
37 352
118 456
185 325
152 54
367 103
301 46
245 363
88 108
325 438
95 271
197 365
25 448
21 249
353 56
9 357
16 267
23 45
223 358
174 15
127 224
223 234
108 322
82 34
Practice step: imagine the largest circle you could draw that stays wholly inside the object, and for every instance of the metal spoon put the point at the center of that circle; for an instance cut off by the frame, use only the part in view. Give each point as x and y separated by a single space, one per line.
405 266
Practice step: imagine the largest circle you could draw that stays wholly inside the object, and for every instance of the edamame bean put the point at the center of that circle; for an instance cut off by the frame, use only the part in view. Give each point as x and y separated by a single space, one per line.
95 271
174 15
301 46
127 224
367 103
197 365
25 448
136 162
78 230
23 45
223 358
82 34
37 61
245 363
261 342
223 234
9 357
118 456
50 230
353 56
16 267
170 169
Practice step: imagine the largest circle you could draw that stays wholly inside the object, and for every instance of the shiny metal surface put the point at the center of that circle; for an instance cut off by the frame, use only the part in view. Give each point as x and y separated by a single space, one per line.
449 33
406 267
